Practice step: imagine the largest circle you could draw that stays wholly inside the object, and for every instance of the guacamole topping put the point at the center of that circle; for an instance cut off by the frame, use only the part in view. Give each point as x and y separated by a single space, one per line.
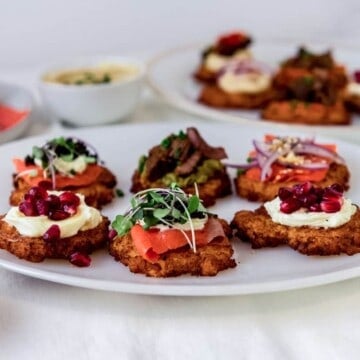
203 172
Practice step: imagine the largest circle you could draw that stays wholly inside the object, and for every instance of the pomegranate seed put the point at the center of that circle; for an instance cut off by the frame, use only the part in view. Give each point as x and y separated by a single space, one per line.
38 192
54 202
52 233
319 192
80 259
330 206
112 234
338 188
70 209
69 198
29 198
44 184
28 208
330 194
315 207
302 189
42 207
58 215
357 76
308 200
285 193
290 205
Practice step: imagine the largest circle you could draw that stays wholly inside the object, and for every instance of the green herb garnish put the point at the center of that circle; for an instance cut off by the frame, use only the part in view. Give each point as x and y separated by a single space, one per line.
141 165
119 193
61 148
169 207
166 143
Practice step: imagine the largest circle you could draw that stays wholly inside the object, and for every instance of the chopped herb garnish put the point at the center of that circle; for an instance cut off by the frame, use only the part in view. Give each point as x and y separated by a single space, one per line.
64 149
141 165
119 193
182 135
249 160
169 207
240 171
166 143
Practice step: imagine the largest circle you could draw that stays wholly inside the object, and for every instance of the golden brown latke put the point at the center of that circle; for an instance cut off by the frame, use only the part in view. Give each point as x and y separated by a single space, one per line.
352 103
96 195
213 96
257 228
204 75
219 185
35 249
265 191
299 112
207 261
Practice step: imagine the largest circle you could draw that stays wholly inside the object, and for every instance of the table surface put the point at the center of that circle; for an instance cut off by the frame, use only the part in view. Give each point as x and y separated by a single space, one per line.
40 319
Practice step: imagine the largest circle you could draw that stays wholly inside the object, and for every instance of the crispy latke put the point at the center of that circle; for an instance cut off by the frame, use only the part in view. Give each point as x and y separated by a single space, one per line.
264 190
213 96
257 228
352 102
35 249
97 194
204 75
299 112
219 185
207 261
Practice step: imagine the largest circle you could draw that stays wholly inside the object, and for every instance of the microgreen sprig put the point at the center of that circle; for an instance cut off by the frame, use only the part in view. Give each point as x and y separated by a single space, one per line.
169 207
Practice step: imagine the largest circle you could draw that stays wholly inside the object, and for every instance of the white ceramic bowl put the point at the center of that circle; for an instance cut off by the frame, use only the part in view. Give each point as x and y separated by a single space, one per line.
86 105
18 98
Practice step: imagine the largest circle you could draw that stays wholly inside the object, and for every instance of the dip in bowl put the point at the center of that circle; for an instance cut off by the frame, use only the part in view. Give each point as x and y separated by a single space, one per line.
93 91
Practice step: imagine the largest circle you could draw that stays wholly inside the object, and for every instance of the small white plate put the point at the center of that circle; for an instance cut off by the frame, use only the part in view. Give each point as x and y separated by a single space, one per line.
257 271
18 98
171 75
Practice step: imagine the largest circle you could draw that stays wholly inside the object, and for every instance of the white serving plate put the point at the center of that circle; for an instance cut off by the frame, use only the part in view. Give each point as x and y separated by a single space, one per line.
258 271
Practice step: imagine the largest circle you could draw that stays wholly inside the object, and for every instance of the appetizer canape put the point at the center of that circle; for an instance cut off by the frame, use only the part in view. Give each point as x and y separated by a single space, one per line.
53 224
312 220
64 164
227 47
169 233
242 84
284 161
352 93
184 158
311 90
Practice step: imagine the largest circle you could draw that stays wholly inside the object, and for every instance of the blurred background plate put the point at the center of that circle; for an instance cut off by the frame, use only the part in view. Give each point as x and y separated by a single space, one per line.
170 75
19 102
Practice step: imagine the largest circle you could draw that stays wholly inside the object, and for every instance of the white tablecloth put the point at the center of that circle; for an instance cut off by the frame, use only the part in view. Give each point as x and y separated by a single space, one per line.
43 320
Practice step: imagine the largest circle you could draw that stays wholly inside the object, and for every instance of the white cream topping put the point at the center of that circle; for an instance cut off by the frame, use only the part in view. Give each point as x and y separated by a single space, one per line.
78 165
214 62
247 83
67 167
198 224
353 88
303 217
86 218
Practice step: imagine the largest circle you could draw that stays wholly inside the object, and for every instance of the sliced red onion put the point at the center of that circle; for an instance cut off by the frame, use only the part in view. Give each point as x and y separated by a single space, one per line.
262 148
245 66
318 150
243 166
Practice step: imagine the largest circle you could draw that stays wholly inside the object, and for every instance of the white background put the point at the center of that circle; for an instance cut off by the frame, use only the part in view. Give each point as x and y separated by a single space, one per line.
38 31
43 320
